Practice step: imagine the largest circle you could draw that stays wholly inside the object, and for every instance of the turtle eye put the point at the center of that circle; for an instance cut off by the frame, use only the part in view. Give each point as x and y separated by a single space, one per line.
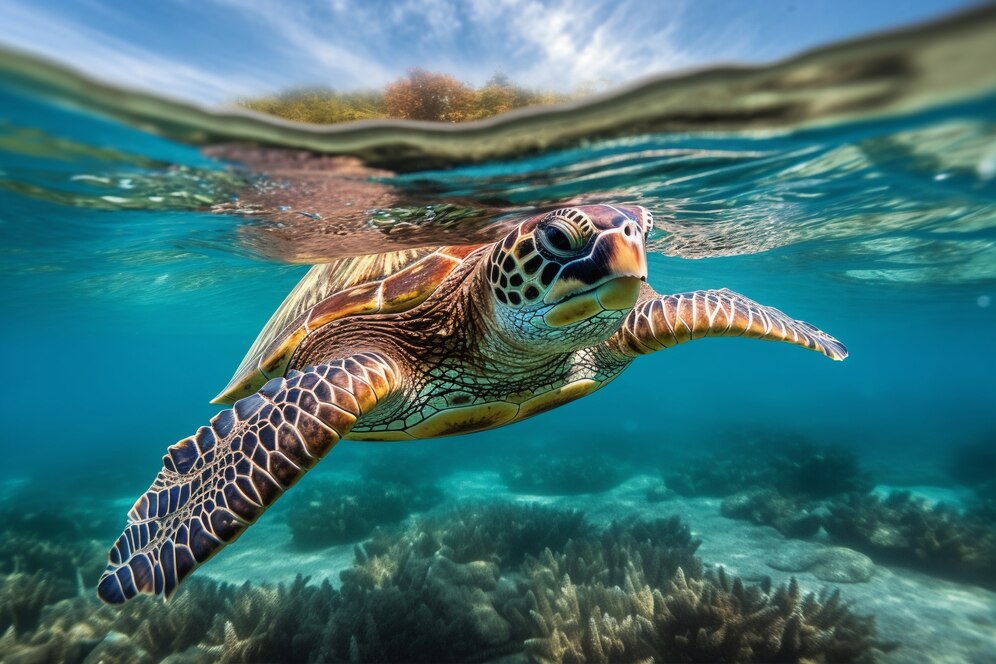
561 237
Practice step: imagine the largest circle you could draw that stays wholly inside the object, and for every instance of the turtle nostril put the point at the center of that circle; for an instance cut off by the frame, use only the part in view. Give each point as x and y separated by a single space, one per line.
627 230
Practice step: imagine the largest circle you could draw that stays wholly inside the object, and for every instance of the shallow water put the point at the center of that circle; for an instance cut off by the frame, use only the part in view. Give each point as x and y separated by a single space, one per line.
138 267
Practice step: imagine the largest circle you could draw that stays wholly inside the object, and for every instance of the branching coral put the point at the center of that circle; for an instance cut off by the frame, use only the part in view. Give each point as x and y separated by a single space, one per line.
421 607
62 559
22 598
504 533
274 623
907 531
432 593
161 629
693 620
476 583
206 621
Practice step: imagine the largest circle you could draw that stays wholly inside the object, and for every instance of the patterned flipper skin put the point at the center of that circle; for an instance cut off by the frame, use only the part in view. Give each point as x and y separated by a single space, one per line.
217 482
669 320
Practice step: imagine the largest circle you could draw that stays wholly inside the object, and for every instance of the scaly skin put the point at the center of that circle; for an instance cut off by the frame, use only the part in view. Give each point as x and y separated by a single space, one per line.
454 357
662 321
216 483
460 341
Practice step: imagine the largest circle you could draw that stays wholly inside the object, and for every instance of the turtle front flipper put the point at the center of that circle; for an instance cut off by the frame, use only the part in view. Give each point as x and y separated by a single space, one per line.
217 482
668 320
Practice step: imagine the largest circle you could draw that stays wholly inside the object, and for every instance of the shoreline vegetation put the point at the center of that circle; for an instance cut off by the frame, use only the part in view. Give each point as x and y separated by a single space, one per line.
419 95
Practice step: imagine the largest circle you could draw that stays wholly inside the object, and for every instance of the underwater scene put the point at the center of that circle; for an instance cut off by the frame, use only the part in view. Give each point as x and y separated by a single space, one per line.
720 501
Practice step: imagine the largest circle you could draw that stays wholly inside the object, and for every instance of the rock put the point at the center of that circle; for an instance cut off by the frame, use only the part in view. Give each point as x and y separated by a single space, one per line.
798 526
770 508
834 564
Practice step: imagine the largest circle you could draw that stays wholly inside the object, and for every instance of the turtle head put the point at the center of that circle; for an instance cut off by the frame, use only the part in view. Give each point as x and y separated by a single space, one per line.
568 277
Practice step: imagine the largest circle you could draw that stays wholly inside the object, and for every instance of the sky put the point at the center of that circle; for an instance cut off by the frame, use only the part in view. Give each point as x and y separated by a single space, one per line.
217 51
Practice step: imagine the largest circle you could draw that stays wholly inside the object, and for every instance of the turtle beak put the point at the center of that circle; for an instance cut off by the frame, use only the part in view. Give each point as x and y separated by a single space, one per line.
628 257
618 253
608 279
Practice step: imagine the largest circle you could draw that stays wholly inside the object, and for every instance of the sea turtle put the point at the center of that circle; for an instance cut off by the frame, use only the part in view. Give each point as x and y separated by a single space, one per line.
419 344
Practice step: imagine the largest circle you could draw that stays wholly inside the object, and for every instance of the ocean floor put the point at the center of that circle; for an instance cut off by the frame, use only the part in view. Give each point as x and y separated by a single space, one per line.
933 619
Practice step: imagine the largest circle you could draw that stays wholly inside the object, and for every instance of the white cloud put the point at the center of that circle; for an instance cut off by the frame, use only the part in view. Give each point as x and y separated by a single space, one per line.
348 44
322 44
569 43
550 44
87 49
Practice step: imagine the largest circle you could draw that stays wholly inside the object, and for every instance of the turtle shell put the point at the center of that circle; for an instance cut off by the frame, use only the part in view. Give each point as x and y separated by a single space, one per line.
378 284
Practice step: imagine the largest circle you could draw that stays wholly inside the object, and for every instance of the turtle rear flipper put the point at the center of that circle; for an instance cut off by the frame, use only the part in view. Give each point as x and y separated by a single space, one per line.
217 482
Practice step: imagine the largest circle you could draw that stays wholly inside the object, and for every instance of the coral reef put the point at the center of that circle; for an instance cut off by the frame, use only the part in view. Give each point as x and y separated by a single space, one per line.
794 468
544 474
328 511
410 603
478 582
904 530
48 539
504 533
714 619
44 556
23 596
273 623
206 622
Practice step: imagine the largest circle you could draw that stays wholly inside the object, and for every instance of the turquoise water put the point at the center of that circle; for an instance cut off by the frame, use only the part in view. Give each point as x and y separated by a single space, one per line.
881 233
136 273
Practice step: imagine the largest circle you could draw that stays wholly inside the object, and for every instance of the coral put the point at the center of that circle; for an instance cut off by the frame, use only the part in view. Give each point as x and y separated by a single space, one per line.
335 512
707 620
161 629
545 474
478 582
422 606
504 533
768 507
23 596
907 531
56 551
274 623
794 468
119 648
433 592
206 621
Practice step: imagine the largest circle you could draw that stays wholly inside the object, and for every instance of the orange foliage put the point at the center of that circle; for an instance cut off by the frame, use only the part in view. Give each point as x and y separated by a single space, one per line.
424 95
